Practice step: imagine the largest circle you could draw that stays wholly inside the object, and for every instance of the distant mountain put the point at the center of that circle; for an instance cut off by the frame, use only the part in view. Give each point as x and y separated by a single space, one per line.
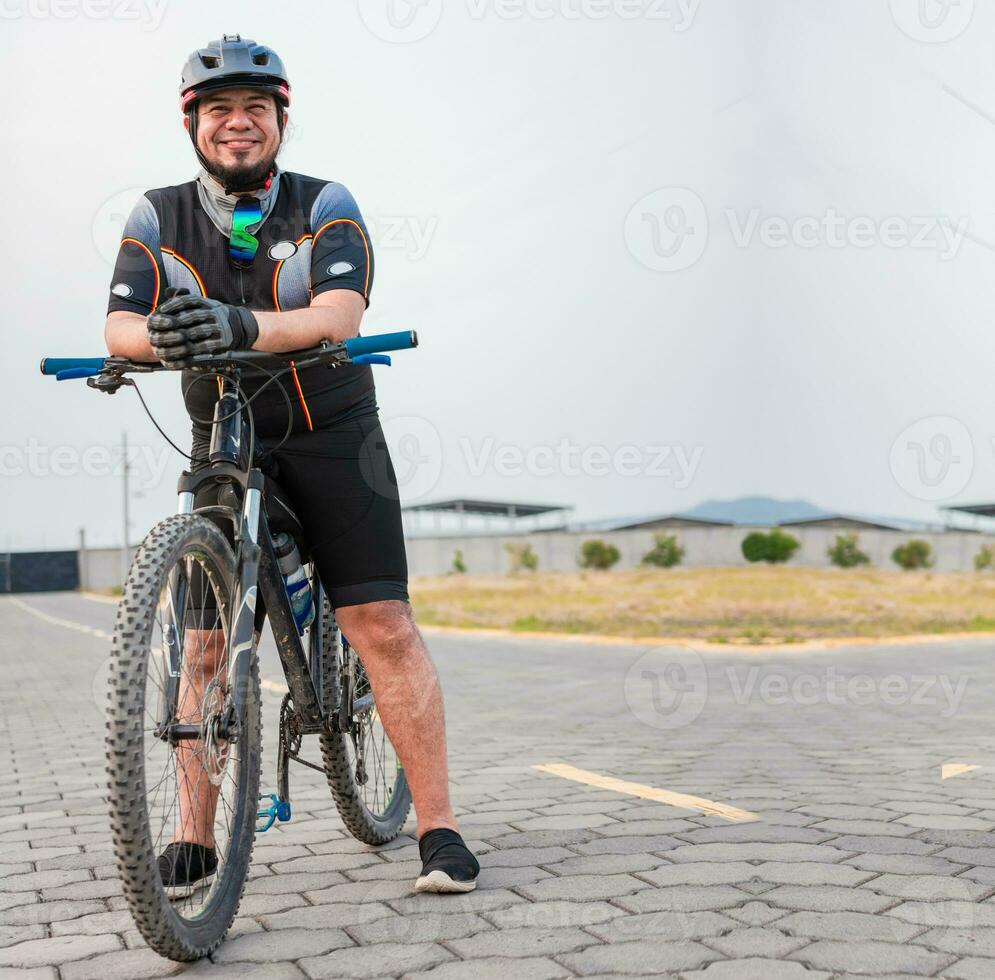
761 511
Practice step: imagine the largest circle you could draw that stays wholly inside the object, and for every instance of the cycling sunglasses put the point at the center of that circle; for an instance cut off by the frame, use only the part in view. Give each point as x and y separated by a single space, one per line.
242 245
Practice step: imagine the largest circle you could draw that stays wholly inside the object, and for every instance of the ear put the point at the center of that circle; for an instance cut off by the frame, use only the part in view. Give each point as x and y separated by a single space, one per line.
186 123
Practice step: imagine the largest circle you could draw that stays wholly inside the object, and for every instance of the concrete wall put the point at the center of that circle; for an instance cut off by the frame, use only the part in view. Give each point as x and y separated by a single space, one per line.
557 551
101 568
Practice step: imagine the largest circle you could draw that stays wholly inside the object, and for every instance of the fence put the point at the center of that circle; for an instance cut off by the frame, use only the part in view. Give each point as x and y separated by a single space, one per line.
38 571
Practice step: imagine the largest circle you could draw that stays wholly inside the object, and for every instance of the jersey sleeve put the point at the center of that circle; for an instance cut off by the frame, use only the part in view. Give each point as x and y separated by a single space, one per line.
139 276
341 253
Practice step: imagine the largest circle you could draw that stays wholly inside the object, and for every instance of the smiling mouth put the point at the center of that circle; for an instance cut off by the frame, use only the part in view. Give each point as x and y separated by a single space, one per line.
239 144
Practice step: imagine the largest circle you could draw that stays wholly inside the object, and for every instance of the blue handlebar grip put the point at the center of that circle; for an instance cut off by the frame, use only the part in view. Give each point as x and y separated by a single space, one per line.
53 365
372 359
403 340
77 372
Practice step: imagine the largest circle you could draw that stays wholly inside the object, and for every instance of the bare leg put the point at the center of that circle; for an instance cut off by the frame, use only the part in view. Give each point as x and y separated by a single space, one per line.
203 661
409 701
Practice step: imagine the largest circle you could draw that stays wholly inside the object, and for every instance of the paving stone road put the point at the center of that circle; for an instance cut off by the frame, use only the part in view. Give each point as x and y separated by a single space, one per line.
861 859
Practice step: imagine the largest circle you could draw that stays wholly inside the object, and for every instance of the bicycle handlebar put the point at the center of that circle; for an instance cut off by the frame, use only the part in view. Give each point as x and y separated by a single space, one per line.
53 365
381 343
358 350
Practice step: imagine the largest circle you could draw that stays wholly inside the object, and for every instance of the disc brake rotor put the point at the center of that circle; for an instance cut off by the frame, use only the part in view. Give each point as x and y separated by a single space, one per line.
216 750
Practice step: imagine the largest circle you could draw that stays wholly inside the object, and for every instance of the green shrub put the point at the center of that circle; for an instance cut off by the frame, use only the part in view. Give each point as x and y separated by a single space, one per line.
983 559
773 547
598 554
665 553
846 553
755 546
913 554
781 546
521 557
459 566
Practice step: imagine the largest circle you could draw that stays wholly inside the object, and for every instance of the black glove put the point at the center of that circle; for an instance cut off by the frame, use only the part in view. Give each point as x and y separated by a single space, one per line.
184 325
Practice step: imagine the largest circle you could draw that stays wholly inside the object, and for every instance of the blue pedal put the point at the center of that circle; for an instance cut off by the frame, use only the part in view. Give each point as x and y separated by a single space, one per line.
277 810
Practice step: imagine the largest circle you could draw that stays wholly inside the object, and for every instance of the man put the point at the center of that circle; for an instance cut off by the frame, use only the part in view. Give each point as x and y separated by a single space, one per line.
255 257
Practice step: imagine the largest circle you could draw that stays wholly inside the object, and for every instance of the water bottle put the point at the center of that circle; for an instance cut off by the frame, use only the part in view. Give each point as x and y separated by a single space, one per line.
295 580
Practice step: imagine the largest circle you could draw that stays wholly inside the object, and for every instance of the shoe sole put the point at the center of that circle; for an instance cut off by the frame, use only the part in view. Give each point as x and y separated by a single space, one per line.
439 882
177 893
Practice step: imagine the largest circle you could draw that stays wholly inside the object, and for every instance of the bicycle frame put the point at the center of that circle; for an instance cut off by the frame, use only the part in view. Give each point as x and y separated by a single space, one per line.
257 577
258 588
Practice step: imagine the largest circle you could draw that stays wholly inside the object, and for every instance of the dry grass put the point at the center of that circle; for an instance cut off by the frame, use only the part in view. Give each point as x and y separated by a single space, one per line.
754 604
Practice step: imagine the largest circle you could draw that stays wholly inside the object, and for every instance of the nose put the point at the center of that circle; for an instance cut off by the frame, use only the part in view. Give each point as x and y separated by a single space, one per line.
238 119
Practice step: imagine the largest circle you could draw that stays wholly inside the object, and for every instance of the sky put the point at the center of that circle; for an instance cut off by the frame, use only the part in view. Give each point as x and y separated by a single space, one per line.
656 251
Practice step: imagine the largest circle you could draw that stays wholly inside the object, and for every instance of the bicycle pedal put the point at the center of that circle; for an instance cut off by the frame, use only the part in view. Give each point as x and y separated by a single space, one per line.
277 810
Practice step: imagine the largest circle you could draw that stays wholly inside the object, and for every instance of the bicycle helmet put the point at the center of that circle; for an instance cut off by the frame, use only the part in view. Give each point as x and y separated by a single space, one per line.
231 63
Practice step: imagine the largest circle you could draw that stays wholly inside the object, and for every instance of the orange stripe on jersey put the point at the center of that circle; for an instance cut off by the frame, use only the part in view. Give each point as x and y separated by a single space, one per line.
179 258
366 246
155 265
300 394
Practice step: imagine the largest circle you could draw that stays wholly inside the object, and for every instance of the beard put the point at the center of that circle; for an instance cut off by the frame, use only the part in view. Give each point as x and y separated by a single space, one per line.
240 178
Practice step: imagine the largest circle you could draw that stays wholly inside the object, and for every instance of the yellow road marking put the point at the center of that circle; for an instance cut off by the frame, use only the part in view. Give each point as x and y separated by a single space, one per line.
950 769
682 800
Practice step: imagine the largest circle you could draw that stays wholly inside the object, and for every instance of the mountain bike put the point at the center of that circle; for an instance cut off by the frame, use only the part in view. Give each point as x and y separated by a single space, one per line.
184 704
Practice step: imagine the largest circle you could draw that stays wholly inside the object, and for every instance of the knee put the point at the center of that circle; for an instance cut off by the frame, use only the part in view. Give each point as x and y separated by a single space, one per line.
379 628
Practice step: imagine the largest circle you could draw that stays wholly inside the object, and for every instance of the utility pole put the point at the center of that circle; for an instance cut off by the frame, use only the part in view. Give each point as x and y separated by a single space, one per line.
81 560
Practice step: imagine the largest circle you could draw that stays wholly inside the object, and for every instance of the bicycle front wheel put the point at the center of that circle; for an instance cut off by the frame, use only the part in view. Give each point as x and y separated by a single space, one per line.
179 771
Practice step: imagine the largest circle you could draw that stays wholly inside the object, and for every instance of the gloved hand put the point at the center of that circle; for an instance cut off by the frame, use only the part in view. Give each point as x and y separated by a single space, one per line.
184 325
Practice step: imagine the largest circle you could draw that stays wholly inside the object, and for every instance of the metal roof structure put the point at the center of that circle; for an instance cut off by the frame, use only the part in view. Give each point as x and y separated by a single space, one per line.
979 510
488 508
651 521
857 521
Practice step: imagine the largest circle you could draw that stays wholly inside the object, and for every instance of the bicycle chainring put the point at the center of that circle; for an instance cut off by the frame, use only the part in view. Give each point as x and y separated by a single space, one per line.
291 732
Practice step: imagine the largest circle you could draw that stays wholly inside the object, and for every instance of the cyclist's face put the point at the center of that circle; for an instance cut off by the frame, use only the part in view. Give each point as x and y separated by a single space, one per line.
237 128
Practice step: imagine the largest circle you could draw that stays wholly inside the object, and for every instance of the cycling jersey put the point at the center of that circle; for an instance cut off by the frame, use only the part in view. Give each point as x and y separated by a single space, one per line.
312 238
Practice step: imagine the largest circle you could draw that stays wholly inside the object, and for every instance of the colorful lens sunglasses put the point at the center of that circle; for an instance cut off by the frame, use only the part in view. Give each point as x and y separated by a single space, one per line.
242 245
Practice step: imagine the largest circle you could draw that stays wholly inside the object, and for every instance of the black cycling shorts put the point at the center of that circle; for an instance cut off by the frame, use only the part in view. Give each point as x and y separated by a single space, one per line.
341 484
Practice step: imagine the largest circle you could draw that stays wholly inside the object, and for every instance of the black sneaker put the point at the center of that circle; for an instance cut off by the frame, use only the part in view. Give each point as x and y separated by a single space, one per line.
447 864
184 867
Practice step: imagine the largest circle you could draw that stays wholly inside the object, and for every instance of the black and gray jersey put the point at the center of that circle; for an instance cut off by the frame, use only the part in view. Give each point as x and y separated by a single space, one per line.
313 239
